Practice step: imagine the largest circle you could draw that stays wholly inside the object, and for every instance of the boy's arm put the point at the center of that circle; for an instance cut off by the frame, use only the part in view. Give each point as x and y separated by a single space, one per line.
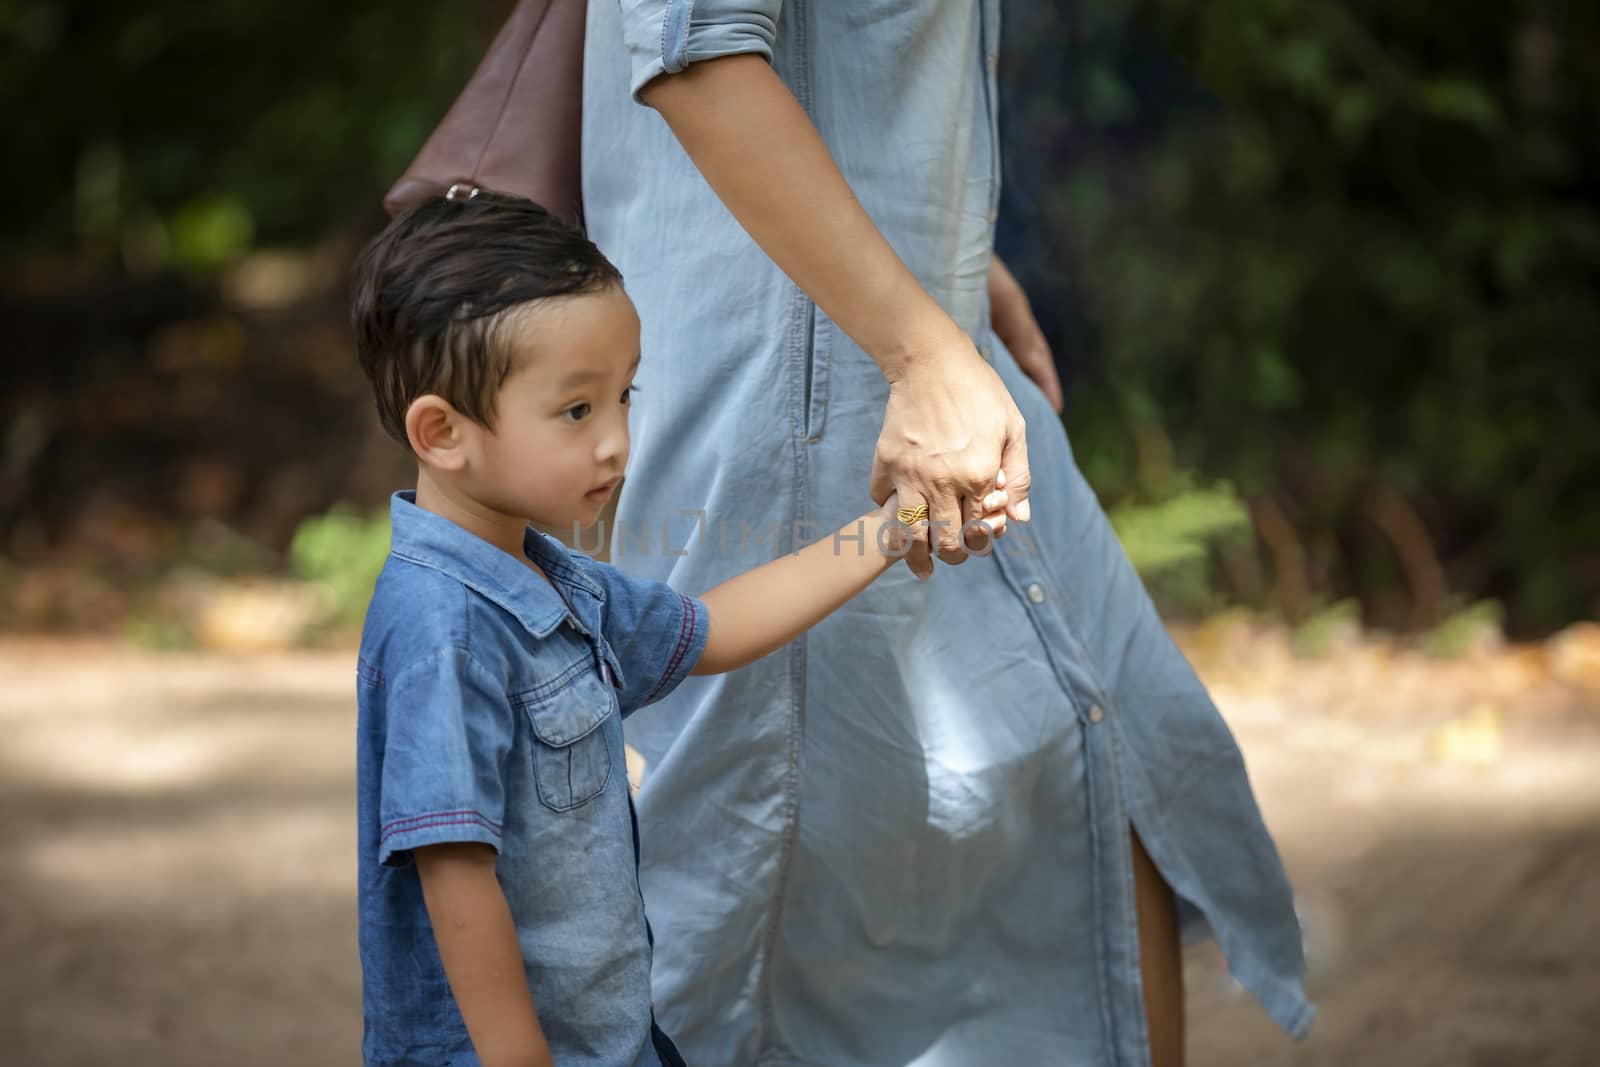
478 945
763 609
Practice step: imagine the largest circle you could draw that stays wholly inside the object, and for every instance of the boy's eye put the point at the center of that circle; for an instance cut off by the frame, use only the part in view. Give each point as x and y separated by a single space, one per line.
627 394
581 409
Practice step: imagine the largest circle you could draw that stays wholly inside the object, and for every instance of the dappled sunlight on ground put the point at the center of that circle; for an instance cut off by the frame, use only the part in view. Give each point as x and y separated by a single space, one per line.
181 878
180 833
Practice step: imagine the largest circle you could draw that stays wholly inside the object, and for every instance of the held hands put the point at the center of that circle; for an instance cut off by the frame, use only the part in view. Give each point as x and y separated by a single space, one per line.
949 429
898 535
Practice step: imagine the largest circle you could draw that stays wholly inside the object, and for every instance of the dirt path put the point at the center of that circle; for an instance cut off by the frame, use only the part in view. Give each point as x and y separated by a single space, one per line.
179 884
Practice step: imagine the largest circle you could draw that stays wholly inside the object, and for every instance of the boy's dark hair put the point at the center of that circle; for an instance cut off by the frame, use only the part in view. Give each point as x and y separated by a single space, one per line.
432 289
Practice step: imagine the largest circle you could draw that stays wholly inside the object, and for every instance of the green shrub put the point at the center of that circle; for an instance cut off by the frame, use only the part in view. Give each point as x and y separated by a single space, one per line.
1328 630
1337 251
1169 542
341 553
1474 627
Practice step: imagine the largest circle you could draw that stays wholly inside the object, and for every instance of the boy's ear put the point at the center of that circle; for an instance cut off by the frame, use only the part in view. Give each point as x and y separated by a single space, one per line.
435 430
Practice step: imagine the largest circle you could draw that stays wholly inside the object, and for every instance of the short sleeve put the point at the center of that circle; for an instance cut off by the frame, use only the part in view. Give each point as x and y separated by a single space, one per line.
657 633
665 36
448 732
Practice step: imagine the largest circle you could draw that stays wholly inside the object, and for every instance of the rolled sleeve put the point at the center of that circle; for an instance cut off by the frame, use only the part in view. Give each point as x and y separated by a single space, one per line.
665 36
657 633
450 729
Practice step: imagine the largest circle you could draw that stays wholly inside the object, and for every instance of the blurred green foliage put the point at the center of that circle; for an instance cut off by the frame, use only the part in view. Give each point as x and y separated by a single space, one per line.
342 553
1169 541
1339 254
151 628
186 131
1343 259
1177 531
1327 630
1472 628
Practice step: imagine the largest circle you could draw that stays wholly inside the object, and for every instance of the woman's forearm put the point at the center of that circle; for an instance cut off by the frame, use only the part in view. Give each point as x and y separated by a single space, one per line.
764 609
759 151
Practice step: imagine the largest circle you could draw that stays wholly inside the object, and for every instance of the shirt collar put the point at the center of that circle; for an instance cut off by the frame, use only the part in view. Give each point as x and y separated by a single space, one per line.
434 541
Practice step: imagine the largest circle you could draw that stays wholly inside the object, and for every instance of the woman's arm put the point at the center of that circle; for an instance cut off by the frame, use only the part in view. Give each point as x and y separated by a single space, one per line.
478 946
950 423
764 609
758 149
1011 315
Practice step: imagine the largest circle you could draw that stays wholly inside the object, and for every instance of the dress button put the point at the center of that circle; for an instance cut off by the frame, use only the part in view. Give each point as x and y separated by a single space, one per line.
1036 593
1096 713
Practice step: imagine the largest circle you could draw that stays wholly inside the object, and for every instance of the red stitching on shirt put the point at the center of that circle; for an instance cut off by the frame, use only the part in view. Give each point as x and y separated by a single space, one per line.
685 637
439 815
673 662
475 820
687 619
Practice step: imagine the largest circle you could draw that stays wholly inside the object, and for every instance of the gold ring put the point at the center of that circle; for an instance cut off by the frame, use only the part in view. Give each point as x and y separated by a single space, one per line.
911 515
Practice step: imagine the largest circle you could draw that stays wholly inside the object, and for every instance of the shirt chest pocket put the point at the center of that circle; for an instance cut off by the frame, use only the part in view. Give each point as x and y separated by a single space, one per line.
571 753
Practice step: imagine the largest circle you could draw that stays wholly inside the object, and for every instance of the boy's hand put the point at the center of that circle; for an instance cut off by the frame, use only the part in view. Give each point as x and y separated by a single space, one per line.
993 516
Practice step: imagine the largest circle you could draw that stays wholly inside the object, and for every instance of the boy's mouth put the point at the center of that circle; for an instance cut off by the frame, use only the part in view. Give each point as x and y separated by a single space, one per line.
602 491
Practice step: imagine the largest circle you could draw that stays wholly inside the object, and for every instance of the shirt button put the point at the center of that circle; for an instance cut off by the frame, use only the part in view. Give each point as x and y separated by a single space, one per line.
991 61
572 624
1036 593
1096 713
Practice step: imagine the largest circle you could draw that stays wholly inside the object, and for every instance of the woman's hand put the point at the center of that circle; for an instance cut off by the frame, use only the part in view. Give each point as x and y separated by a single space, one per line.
950 426
1011 315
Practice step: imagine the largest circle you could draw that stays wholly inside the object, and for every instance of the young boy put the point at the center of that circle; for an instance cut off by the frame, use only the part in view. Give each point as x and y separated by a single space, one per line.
501 920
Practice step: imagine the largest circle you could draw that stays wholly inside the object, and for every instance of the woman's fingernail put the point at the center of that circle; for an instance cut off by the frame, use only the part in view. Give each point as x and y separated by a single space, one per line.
1023 511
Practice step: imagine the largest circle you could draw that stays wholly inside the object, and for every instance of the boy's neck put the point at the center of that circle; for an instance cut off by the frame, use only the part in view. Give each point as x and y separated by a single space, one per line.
505 532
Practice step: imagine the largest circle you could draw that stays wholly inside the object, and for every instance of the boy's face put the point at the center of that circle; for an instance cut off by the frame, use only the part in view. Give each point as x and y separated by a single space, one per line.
560 439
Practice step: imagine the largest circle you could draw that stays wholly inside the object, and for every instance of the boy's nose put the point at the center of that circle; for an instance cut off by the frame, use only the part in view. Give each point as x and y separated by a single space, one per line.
614 445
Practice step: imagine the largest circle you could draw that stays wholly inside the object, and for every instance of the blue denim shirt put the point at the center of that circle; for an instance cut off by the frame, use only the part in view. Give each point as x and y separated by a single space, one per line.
490 708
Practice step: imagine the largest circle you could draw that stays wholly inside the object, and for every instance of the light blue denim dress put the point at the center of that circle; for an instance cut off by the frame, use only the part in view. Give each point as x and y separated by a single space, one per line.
902 839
